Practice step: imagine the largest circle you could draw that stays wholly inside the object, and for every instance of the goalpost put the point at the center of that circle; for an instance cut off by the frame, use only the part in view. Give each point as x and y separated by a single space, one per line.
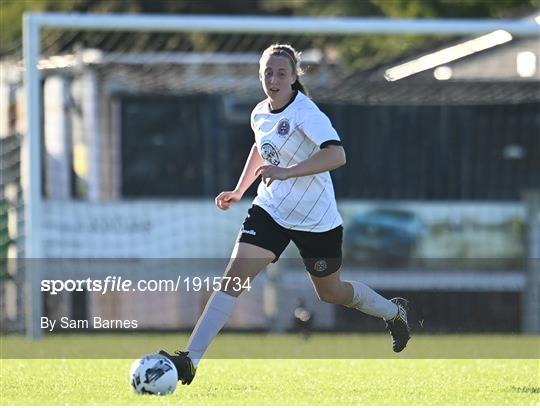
34 24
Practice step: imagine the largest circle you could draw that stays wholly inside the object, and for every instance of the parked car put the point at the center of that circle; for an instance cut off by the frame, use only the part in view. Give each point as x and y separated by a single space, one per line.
387 236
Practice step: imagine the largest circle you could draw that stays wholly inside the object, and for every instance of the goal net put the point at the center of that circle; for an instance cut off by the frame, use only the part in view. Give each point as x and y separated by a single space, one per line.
134 124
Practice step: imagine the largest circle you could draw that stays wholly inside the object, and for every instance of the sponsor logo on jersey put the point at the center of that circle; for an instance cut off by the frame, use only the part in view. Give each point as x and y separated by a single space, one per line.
270 154
283 127
249 232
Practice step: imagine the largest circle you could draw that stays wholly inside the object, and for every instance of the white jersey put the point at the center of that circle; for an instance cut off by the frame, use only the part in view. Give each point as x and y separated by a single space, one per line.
286 137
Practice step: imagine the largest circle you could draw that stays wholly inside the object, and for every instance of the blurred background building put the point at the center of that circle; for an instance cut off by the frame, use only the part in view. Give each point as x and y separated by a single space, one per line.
440 195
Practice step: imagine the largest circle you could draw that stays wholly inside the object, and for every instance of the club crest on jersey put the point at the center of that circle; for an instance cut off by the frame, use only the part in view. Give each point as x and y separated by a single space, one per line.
270 154
283 127
320 265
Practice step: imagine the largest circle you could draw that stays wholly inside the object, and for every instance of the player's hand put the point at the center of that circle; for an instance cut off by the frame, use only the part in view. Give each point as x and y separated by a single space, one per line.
226 198
269 173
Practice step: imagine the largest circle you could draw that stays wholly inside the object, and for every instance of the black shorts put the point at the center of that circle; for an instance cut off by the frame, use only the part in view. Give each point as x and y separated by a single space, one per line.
320 251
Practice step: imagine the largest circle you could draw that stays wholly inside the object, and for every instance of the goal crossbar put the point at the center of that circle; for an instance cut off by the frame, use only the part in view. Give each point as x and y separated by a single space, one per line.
290 25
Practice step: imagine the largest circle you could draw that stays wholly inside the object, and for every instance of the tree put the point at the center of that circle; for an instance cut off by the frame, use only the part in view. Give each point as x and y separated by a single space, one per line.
359 51
363 52
12 11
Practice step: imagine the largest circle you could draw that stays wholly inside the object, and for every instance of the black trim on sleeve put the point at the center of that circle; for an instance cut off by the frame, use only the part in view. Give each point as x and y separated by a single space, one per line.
330 143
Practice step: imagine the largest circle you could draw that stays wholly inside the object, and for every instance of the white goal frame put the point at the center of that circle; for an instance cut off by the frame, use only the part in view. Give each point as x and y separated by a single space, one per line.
35 22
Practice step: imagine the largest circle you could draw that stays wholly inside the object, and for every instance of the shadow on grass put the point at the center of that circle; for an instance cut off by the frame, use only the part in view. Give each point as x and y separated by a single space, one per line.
527 390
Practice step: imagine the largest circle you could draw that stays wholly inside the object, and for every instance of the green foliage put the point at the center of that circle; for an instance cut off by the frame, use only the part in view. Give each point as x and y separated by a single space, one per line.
404 8
452 8
366 52
360 52
341 8
363 52
11 12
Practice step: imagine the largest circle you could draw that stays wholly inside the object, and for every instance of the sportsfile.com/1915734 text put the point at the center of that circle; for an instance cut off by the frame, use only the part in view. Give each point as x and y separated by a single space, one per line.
120 284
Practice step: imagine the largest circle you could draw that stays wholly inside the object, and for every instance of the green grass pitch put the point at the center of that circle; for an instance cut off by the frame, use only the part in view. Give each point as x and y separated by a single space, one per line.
383 381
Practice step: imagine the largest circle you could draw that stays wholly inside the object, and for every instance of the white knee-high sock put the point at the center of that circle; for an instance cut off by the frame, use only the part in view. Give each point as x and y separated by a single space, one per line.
370 302
215 315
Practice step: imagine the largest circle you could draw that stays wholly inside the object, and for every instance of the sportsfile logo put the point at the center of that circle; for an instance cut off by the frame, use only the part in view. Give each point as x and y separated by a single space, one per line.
120 284
111 284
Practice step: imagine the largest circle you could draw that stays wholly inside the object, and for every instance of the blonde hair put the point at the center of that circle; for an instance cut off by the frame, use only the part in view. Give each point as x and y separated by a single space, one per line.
287 51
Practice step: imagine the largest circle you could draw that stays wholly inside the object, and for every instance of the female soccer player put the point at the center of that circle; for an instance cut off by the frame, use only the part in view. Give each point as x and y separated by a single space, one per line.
295 148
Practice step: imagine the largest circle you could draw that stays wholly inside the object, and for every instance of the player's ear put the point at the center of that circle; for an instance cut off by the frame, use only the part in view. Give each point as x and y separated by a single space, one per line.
294 78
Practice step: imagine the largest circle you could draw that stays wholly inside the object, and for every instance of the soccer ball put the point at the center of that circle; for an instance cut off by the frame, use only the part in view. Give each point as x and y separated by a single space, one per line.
153 374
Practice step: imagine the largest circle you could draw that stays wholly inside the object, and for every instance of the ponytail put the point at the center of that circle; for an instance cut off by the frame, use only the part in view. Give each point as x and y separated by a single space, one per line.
297 86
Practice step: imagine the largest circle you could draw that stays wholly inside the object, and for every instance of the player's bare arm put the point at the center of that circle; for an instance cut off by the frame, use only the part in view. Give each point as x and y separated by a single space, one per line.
226 198
328 158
